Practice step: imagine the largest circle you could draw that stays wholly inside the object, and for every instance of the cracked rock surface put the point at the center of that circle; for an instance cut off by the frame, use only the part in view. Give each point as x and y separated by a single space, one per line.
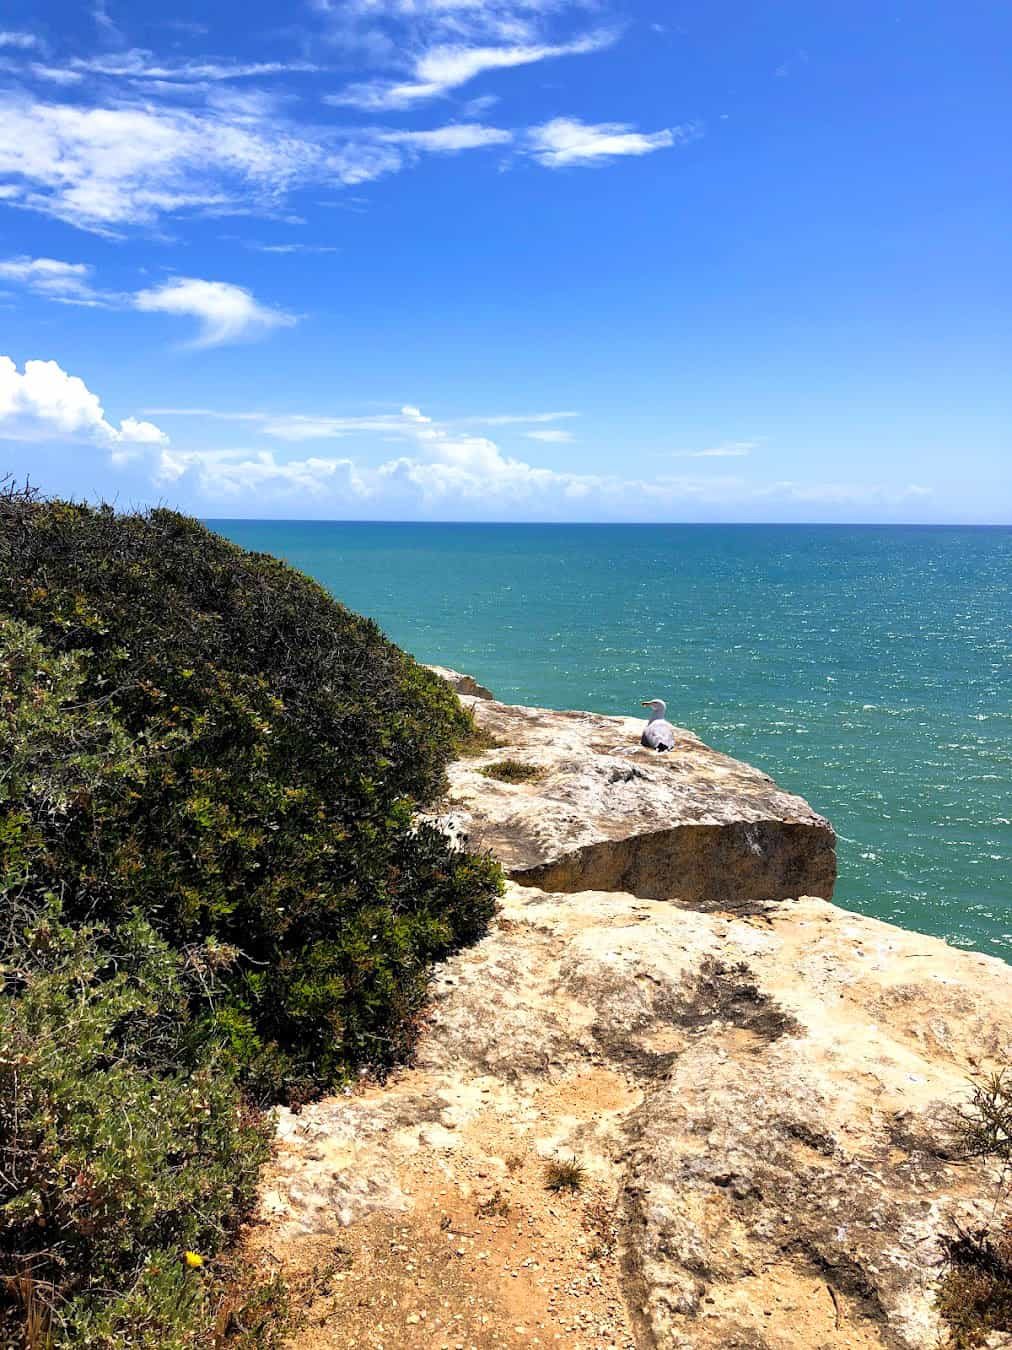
604 814
762 1106
759 1092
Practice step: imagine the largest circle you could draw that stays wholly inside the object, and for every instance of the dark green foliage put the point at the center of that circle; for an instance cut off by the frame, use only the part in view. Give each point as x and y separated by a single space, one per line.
124 1141
212 890
279 743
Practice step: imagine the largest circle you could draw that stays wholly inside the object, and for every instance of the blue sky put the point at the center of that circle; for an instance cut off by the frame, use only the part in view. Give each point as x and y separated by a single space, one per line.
510 259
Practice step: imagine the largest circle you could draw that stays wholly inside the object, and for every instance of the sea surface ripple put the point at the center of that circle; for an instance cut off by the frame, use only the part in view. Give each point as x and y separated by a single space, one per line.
868 668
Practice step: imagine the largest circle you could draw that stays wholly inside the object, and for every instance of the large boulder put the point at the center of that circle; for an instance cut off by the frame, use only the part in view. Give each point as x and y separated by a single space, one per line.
763 1106
598 812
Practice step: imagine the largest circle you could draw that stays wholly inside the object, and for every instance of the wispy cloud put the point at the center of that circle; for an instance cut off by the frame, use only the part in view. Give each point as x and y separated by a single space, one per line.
283 249
67 282
511 419
43 402
107 168
140 64
550 436
449 139
19 41
439 70
729 450
225 312
567 141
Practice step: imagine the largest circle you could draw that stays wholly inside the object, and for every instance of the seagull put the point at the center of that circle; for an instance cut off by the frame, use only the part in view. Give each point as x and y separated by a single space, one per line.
658 734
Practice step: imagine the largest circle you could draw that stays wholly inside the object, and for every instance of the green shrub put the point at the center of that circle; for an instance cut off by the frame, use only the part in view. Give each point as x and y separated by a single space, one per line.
125 1140
212 894
281 742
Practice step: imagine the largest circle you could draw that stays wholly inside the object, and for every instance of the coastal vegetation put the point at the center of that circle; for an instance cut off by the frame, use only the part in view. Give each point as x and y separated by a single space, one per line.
215 898
975 1297
514 771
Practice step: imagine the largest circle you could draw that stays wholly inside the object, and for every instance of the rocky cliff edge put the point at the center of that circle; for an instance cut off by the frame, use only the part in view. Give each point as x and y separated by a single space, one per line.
758 1097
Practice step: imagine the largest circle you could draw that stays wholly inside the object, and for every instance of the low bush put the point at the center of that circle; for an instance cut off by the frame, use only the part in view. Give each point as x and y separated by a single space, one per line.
214 893
514 771
975 1295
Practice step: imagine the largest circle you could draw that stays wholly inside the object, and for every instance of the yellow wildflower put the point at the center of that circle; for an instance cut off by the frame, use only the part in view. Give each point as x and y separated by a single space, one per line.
194 1260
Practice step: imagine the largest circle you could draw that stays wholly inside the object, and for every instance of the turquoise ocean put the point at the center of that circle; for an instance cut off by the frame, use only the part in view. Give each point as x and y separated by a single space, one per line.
868 668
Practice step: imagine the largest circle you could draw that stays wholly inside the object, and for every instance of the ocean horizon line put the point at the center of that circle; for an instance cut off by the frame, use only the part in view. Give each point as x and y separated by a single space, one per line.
628 524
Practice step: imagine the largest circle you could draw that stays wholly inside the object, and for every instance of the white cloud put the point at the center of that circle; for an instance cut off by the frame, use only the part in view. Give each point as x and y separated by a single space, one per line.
45 403
438 466
139 64
449 139
510 419
20 41
234 472
50 277
284 249
441 69
567 140
730 450
226 313
364 24
99 168
551 436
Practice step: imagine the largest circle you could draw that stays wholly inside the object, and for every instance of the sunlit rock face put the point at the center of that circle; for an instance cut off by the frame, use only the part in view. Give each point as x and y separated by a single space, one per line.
760 1089
763 1105
605 814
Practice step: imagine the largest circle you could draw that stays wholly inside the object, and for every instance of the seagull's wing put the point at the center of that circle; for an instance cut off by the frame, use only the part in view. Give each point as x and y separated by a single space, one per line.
658 736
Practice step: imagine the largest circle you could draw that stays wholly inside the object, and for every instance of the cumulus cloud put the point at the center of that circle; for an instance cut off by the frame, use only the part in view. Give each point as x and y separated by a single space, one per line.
234 472
566 141
45 403
226 313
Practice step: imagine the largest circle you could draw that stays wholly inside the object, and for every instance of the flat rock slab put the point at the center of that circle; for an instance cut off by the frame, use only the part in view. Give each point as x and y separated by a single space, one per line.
601 813
763 1107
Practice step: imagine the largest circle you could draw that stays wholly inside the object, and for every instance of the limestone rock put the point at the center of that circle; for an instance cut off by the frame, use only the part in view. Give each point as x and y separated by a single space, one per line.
463 684
762 1104
604 814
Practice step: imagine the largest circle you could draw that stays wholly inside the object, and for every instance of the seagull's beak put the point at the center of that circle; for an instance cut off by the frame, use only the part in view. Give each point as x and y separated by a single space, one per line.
645 704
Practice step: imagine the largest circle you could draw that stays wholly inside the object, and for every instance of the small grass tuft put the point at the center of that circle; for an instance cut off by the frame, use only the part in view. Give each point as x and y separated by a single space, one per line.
514 771
477 741
496 1205
563 1174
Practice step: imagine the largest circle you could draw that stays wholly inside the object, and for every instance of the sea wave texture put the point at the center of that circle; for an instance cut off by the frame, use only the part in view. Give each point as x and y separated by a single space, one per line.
868 668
